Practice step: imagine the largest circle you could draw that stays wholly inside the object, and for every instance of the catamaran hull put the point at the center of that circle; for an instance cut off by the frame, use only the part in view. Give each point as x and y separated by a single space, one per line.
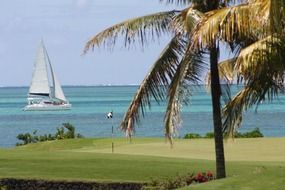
43 107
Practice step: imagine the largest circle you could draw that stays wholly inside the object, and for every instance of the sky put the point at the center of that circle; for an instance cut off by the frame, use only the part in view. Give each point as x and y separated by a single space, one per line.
65 26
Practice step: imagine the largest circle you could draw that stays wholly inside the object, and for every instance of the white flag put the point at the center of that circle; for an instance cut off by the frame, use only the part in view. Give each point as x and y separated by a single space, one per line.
110 115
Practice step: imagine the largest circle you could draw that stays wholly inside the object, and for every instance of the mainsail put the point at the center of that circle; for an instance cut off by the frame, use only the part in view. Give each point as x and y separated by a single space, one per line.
40 82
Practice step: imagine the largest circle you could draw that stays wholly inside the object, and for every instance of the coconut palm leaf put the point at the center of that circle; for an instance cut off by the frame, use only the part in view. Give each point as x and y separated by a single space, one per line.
245 64
253 94
227 75
186 20
155 83
241 23
202 5
265 53
262 66
226 72
232 24
134 30
179 2
189 70
277 16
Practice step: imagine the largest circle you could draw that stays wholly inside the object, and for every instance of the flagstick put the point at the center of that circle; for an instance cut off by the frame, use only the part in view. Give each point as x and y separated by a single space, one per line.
112 135
110 116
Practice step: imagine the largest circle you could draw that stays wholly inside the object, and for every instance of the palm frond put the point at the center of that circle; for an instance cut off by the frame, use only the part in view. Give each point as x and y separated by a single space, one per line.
262 66
203 5
178 2
252 94
155 83
277 16
186 20
134 30
226 72
189 70
232 24
253 59
245 59
227 75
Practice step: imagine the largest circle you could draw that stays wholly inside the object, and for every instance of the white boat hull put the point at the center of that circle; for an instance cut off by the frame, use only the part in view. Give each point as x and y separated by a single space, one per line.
47 107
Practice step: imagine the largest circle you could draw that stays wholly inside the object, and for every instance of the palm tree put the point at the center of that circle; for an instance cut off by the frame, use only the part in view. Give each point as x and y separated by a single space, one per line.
265 59
256 30
179 63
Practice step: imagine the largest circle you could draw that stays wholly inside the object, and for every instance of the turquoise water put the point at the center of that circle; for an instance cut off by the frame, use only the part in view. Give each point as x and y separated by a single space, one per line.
90 105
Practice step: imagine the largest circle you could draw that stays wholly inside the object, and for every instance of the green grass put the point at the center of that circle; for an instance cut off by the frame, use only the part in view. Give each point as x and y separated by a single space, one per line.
251 163
256 178
67 160
256 149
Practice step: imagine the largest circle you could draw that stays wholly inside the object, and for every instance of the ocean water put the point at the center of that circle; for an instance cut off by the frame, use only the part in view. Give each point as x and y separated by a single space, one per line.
91 104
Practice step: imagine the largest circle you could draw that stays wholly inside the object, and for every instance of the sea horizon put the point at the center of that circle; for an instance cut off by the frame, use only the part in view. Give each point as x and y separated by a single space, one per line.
94 85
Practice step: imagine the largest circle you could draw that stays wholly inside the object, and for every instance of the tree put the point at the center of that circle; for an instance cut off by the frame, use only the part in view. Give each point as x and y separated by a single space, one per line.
179 64
256 31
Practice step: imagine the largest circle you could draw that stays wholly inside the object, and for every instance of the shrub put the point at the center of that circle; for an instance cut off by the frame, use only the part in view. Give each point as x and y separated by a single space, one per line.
209 135
28 138
204 177
178 182
251 134
192 136
60 134
70 134
170 183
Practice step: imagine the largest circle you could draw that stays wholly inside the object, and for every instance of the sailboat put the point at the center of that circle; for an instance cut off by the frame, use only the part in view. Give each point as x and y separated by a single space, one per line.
45 93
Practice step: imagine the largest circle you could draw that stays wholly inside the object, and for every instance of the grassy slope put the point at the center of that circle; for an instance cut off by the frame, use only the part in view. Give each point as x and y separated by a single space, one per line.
260 177
143 159
65 160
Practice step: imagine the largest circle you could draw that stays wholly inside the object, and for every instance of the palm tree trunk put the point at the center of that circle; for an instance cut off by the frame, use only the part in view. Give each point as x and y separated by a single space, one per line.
216 105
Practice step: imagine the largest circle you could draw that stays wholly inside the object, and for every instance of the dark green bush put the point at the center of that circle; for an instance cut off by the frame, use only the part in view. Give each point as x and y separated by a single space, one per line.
209 135
28 138
170 183
70 134
192 136
251 134
60 134
179 181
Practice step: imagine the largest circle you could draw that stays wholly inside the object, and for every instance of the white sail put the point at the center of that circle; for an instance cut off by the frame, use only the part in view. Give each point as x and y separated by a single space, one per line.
56 87
57 90
40 83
